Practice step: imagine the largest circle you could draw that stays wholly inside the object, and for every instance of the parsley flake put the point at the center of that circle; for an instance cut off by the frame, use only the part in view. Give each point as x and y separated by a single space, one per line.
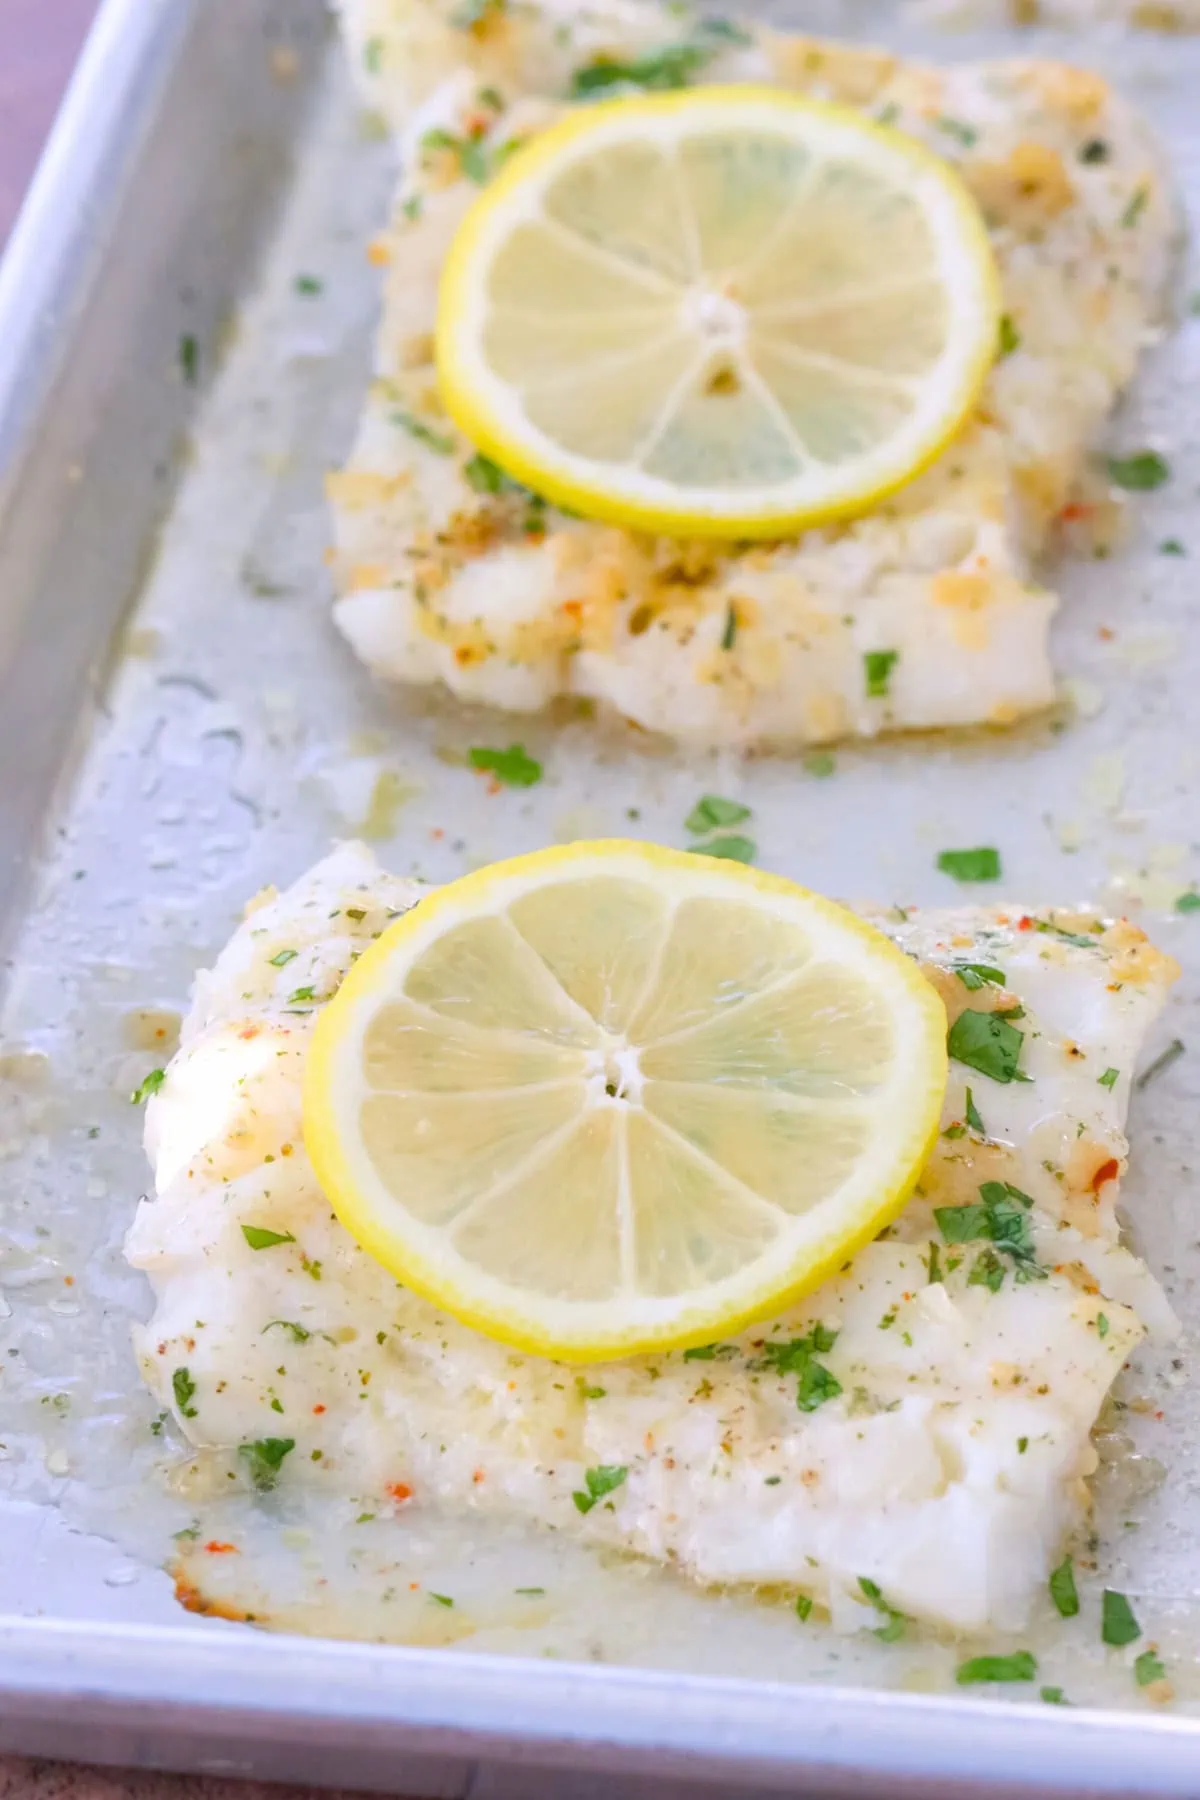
189 358
308 284
971 865
987 1042
804 1607
440 441
1118 1623
282 958
976 975
1054 1696
265 1457
712 812
1148 1668
1020 1666
674 66
442 1599
259 1238
1009 336
298 1332
730 847
820 763
972 1116
1141 472
602 1480
1188 903
877 667
184 1389
1063 1591
1109 1078
514 766
729 632
150 1085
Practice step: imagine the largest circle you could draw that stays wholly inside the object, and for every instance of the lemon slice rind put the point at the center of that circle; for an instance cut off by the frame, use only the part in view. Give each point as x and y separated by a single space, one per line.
804 1252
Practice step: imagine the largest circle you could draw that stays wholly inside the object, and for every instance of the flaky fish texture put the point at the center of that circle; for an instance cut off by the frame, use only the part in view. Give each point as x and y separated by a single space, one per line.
445 577
944 1454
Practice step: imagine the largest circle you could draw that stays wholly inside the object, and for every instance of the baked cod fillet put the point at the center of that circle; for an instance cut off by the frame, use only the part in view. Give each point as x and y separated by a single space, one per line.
449 574
922 1421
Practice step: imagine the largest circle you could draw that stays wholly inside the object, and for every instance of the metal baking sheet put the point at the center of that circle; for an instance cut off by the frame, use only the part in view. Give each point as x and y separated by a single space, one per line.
179 726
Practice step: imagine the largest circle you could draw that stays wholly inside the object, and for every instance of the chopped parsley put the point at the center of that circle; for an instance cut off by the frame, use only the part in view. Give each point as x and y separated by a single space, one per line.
1009 336
265 1458
971 865
820 763
712 812
1188 903
877 667
972 1115
602 1480
1109 1078
184 1389
412 207
442 1599
282 958
1001 1218
150 1085
1135 207
987 1042
895 1621
301 993
798 1356
729 633
976 975
1020 1666
1140 472
440 441
531 1593
804 1607
1094 151
1054 1696
709 1352
1172 547
189 358
1118 1623
487 477
1149 1667
259 1238
308 284
965 134
674 66
514 766
373 55
299 1334
587 1391
1063 1591
731 847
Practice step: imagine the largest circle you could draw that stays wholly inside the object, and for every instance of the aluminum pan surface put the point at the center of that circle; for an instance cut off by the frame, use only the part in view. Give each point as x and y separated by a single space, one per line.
236 738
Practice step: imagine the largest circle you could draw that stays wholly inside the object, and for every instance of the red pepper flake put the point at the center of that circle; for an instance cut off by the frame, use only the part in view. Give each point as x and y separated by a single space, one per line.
399 1490
318 1409
1025 924
1105 633
216 1548
1076 509
68 1281
250 1031
285 1149
477 1477
1108 1171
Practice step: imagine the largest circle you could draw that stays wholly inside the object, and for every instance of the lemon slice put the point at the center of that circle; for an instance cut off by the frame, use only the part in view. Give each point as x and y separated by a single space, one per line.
610 1098
730 312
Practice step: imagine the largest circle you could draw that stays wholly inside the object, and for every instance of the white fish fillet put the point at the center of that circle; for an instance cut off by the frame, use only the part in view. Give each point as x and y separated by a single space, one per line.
516 606
949 1467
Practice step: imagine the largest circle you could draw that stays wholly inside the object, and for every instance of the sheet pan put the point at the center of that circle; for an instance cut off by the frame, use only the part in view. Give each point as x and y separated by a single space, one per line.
178 726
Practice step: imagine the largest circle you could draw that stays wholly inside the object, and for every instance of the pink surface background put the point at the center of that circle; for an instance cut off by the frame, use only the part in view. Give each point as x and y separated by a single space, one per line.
39 41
